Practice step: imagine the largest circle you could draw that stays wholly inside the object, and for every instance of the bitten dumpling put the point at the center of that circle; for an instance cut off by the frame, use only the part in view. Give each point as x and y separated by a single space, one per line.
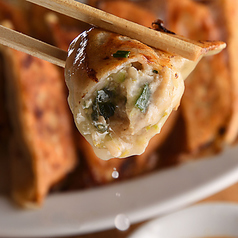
121 91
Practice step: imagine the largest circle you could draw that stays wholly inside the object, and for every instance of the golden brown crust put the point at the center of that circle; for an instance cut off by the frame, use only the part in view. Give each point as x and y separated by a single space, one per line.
206 102
191 19
41 124
127 10
14 14
99 46
229 9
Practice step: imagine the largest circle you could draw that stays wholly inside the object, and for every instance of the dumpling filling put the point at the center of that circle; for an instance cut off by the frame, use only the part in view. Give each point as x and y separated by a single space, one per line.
121 91
130 105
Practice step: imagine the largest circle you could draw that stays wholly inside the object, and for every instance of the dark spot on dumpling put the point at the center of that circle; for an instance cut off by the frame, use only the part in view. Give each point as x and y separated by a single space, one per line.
149 58
38 112
137 65
92 74
26 63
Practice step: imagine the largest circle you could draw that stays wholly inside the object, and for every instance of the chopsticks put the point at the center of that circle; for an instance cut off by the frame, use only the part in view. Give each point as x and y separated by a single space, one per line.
29 45
173 44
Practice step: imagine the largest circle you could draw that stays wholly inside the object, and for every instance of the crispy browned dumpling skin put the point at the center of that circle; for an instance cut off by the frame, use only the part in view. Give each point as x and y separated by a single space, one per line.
127 10
14 14
206 104
229 9
42 147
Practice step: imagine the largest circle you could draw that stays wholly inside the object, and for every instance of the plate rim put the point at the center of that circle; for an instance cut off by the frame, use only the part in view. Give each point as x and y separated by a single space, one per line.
213 208
50 217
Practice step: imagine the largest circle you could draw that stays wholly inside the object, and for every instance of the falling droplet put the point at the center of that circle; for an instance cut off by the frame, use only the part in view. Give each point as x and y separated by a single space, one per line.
122 222
118 194
115 174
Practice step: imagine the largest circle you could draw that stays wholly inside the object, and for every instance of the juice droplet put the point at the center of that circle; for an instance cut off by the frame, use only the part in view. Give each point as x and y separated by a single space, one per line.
122 222
115 174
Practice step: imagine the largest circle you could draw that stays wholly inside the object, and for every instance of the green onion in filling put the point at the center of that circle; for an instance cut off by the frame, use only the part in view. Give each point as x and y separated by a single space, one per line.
120 77
102 105
143 100
121 54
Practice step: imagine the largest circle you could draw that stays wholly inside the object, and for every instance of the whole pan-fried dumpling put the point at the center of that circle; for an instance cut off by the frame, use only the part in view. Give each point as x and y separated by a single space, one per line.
121 91
41 147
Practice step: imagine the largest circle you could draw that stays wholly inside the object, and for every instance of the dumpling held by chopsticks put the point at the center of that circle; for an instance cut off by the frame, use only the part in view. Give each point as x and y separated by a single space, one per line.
121 91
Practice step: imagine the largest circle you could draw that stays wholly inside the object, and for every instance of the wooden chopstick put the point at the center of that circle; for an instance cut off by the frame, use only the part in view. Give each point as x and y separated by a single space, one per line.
173 44
29 45
170 43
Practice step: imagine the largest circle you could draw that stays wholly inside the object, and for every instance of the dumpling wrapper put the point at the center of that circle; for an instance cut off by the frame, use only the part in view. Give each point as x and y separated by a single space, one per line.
120 103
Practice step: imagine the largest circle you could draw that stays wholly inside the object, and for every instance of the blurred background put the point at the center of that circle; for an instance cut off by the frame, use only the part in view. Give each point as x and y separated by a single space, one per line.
41 151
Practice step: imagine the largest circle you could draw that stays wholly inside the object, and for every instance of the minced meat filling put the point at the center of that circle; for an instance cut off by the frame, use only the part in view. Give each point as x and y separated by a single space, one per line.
108 109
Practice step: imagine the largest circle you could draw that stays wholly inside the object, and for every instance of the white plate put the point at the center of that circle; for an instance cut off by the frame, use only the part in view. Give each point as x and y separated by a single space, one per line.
204 220
139 199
